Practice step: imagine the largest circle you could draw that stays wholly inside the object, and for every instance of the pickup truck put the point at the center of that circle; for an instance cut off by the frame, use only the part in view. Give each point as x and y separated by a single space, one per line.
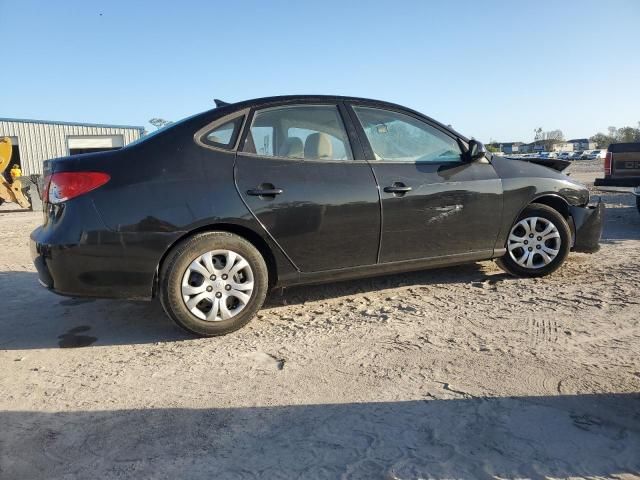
622 170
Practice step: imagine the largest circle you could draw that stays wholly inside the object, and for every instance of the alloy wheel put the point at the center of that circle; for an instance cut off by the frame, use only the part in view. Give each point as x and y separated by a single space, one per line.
217 285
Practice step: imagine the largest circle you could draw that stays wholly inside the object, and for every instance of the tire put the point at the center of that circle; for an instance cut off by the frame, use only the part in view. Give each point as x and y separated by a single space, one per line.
183 273
638 203
522 244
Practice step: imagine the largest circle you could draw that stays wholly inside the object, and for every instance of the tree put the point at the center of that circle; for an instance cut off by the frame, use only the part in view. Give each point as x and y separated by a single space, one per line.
539 135
617 135
159 122
628 135
601 140
547 139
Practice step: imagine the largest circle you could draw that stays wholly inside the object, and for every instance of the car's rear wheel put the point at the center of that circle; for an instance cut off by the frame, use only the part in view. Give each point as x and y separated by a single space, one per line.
538 242
213 283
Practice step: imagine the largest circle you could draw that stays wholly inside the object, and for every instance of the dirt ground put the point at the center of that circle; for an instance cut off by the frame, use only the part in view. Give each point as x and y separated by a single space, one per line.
452 373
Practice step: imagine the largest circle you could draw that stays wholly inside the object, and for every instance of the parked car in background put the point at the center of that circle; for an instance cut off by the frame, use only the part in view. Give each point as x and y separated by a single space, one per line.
564 155
576 155
622 170
211 212
595 154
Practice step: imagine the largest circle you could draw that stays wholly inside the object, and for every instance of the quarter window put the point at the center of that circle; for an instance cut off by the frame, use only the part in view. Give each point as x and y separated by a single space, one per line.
310 132
398 137
224 135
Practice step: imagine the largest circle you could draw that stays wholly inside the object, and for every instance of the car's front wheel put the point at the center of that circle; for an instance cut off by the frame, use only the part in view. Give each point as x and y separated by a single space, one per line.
538 242
213 283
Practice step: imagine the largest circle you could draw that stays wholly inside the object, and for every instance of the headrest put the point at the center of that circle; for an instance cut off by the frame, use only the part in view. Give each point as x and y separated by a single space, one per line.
292 148
318 145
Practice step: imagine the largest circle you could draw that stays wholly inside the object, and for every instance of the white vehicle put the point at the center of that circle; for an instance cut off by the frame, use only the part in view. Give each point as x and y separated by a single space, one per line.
594 154
564 155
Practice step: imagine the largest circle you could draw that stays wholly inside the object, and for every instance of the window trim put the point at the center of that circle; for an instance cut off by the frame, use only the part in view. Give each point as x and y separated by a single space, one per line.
200 137
368 150
346 124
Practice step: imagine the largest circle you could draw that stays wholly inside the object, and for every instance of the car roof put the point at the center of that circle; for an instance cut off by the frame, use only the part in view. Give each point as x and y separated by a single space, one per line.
310 98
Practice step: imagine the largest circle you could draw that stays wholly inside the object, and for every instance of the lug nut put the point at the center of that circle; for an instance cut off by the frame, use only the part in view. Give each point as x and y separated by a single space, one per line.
538 247
224 276
227 287
526 242
212 277
539 238
531 235
530 249
209 289
218 295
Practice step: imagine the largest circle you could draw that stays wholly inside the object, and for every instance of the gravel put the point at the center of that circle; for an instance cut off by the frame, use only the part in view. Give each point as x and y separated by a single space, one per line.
456 372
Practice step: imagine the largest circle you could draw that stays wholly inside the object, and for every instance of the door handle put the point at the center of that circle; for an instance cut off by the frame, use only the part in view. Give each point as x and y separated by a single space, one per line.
397 188
264 192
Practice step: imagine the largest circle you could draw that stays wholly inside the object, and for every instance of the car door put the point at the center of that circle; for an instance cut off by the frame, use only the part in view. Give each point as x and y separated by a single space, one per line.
307 183
434 203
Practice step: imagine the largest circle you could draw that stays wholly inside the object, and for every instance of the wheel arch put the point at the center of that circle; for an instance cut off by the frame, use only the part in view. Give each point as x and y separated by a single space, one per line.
249 235
560 205
554 201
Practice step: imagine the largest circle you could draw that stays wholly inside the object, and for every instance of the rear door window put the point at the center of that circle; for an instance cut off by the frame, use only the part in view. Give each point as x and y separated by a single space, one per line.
309 132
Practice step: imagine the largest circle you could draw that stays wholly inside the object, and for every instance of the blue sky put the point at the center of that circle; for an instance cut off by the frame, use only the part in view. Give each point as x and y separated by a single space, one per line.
494 69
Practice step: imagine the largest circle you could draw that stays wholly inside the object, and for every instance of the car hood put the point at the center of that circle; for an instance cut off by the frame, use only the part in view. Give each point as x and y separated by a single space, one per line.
553 163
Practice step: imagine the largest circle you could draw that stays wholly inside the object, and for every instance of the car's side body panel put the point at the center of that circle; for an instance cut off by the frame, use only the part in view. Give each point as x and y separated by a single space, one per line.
444 213
524 182
327 216
110 242
159 192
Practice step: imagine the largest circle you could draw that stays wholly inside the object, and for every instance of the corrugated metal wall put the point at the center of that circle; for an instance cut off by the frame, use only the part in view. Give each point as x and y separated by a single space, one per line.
39 141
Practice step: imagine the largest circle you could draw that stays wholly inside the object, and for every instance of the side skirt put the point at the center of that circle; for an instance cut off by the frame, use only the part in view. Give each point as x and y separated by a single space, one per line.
328 276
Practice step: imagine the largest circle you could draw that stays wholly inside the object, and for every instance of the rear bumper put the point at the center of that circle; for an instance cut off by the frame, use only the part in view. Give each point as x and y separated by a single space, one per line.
588 223
624 185
76 255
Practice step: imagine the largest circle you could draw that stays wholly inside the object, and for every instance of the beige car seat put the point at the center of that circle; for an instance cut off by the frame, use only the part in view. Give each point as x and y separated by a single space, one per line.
292 148
318 145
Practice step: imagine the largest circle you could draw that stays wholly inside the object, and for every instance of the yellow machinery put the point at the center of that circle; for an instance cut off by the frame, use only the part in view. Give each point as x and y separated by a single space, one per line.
10 192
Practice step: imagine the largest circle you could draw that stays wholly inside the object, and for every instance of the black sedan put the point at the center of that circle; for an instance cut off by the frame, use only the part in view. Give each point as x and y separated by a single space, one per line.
211 212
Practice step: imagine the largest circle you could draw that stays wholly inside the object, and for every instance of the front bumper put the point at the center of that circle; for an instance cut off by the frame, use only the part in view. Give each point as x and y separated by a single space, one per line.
588 222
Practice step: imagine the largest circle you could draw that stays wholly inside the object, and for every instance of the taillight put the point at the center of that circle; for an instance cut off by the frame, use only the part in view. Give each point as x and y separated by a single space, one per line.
64 186
45 187
607 163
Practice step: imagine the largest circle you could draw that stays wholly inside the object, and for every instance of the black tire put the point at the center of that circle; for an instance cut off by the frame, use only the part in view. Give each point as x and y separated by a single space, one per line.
509 265
176 264
638 203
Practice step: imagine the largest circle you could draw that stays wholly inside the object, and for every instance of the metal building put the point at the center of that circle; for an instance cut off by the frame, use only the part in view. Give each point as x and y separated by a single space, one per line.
37 140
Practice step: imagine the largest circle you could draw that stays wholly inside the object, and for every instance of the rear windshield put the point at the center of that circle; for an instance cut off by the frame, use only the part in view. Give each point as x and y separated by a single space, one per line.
624 147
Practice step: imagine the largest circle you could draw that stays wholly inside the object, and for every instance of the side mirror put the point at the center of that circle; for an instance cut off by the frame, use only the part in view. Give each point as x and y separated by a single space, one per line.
477 150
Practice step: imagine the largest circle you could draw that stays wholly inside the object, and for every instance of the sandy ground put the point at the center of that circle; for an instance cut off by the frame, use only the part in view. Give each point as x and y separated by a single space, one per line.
451 373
